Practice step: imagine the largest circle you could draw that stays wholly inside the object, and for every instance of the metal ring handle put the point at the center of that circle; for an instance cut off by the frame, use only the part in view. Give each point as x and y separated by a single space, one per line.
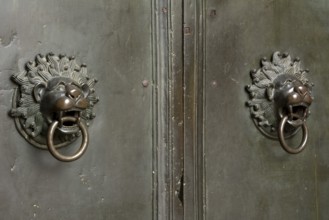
81 150
283 142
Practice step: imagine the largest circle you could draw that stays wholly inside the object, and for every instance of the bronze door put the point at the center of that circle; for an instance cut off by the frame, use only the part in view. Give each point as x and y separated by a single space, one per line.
114 179
172 137
246 175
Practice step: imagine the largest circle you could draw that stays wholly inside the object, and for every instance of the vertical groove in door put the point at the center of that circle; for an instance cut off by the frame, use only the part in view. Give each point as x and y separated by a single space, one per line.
159 119
201 103
178 50
160 112
176 108
168 109
194 73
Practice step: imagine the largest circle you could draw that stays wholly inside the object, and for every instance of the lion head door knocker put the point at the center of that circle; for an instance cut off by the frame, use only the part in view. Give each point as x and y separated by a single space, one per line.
280 97
53 104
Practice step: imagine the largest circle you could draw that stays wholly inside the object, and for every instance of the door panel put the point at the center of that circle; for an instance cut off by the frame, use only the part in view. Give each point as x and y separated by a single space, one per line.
247 175
113 180
193 58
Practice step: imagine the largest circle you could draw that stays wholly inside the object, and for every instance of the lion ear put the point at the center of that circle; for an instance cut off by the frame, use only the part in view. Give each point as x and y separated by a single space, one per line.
38 91
85 89
270 92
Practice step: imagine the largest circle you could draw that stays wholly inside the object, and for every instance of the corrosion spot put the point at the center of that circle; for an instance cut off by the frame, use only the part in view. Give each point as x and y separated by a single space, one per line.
187 30
213 13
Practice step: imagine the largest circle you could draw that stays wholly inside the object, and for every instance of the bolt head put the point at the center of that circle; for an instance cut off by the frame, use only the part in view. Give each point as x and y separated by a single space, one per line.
145 83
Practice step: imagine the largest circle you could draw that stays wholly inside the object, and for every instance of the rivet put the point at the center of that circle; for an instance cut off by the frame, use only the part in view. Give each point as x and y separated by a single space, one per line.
145 83
214 83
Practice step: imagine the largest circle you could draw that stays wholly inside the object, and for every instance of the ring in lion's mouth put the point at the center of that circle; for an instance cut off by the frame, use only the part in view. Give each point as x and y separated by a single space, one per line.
298 114
68 126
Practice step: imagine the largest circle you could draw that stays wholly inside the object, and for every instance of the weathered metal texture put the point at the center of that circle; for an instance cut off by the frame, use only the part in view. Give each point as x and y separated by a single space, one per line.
176 109
113 180
168 110
248 176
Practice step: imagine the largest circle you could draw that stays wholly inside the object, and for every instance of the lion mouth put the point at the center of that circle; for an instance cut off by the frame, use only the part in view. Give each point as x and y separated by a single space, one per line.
68 127
298 113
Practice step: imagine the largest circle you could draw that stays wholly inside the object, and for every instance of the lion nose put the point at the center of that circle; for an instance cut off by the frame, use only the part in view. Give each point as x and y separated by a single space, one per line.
73 92
302 90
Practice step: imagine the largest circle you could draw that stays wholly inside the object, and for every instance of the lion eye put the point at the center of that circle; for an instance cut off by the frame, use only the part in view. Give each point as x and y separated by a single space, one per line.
288 81
60 87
